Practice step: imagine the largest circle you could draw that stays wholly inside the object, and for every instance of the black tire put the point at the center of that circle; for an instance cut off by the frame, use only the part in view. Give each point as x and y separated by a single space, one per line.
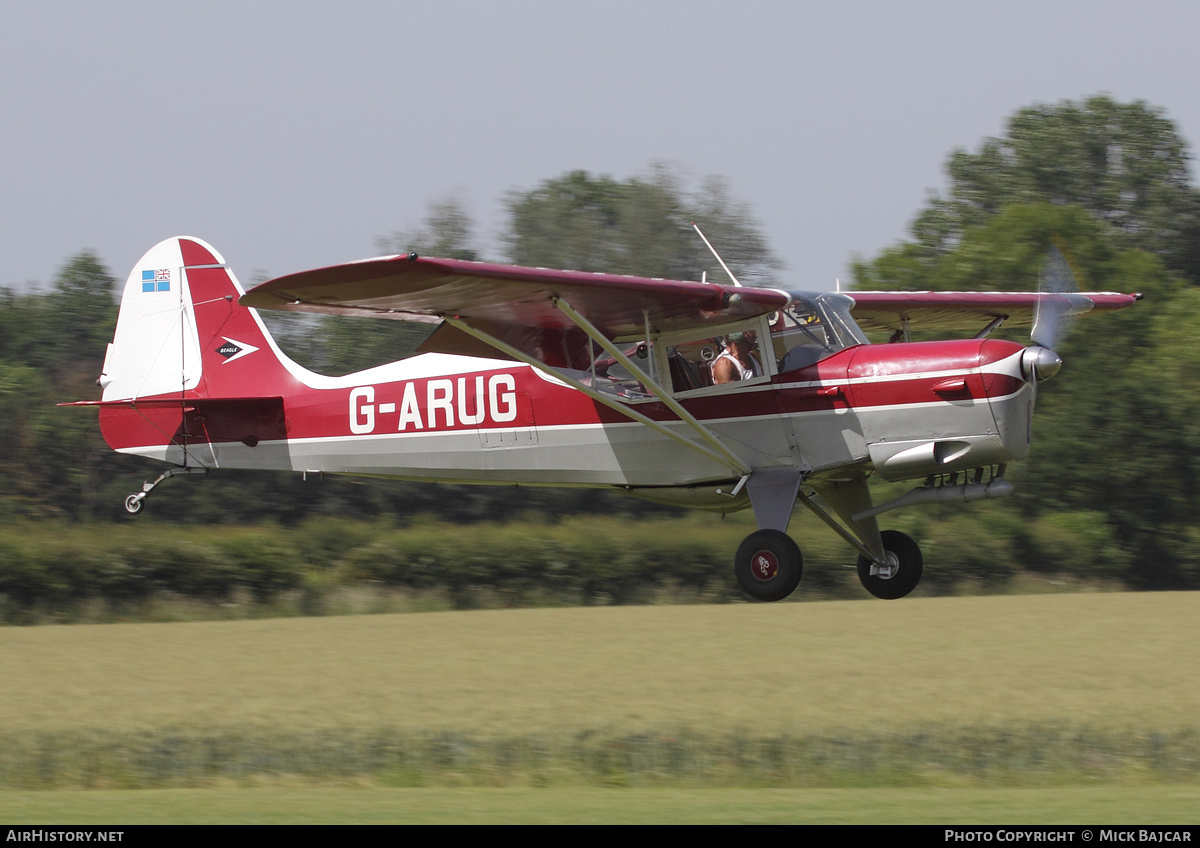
768 565
909 565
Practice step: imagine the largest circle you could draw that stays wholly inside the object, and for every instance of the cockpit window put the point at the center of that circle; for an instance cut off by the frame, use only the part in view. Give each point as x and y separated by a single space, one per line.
734 358
743 354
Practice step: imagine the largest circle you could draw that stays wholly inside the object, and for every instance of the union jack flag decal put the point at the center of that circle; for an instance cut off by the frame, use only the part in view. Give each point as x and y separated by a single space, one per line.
159 280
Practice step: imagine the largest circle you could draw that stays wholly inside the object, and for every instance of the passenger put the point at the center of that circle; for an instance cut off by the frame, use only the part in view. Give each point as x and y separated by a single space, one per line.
737 361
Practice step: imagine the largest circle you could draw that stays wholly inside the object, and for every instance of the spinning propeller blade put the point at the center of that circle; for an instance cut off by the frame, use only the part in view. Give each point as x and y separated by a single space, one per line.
1055 277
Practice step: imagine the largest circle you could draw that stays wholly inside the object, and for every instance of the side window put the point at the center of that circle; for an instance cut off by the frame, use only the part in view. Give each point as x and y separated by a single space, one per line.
728 360
690 364
740 359
612 377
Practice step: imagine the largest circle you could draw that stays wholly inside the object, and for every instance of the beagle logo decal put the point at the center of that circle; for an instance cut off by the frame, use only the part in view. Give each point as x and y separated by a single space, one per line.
232 350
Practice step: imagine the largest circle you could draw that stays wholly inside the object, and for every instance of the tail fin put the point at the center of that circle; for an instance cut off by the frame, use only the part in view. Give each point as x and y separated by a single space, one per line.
181 332
192 377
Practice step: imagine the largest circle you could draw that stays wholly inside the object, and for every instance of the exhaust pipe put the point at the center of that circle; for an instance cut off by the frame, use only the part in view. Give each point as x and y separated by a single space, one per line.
964 493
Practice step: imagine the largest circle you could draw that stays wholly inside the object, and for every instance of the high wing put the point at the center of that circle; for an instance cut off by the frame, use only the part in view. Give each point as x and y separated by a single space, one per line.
523 307
518 305
939 311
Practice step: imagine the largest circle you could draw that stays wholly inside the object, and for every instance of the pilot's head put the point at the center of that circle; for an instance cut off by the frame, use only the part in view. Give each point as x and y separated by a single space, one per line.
743 341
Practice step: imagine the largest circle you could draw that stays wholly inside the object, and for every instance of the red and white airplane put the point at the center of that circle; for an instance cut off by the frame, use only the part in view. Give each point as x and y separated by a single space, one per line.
563 378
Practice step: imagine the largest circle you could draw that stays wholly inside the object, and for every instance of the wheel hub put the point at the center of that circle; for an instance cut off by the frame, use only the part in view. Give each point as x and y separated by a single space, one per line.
764 565
886 572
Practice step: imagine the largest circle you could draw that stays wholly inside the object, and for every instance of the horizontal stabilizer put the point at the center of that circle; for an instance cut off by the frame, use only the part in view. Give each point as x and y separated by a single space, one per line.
174 423
175 403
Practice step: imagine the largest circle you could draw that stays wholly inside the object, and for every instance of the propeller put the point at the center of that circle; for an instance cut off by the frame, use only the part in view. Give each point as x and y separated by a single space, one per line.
1055 277
1040 362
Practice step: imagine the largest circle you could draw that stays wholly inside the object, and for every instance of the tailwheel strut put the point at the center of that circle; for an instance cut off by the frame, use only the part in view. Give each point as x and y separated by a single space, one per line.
135 502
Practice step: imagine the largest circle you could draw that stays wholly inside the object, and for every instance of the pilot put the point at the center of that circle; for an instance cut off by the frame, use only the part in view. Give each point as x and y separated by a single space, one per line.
737 361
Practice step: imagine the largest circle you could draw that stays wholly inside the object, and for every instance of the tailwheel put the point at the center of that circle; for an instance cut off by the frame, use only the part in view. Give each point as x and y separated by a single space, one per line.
768 565
902 572
135 502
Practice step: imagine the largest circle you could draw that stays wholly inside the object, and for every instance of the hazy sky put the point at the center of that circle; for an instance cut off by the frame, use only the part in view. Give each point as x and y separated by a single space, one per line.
292 134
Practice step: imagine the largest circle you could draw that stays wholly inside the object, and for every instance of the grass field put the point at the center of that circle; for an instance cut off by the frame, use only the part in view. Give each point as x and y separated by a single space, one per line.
301 805
1084 692
1115 660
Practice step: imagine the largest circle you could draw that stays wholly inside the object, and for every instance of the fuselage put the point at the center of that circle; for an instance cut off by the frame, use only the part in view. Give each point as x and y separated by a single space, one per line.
442 417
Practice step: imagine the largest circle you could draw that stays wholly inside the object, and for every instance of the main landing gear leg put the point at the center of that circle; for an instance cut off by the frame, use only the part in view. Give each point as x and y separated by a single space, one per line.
768 564
135 502
889 563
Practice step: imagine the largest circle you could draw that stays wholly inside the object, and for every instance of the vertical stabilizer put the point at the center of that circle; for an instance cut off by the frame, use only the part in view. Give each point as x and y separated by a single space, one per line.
192 376
181 332
154 351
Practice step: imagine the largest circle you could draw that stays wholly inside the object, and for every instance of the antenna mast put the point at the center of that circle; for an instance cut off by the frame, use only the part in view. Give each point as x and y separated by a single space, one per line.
696 227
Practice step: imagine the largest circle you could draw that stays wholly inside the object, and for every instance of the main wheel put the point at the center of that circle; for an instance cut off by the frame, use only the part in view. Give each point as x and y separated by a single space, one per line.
768 565
134 503
903 571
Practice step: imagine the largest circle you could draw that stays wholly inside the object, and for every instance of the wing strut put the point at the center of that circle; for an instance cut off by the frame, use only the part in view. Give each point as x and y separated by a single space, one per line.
721 458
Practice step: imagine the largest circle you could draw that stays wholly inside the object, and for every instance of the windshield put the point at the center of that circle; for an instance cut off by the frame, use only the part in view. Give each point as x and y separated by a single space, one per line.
812 328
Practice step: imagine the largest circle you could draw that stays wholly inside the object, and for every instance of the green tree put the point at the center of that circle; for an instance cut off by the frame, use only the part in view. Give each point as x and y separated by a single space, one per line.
344 345
84 301
70 326
639 226
1125 163
447 232
1002 253
51 350
1115 432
